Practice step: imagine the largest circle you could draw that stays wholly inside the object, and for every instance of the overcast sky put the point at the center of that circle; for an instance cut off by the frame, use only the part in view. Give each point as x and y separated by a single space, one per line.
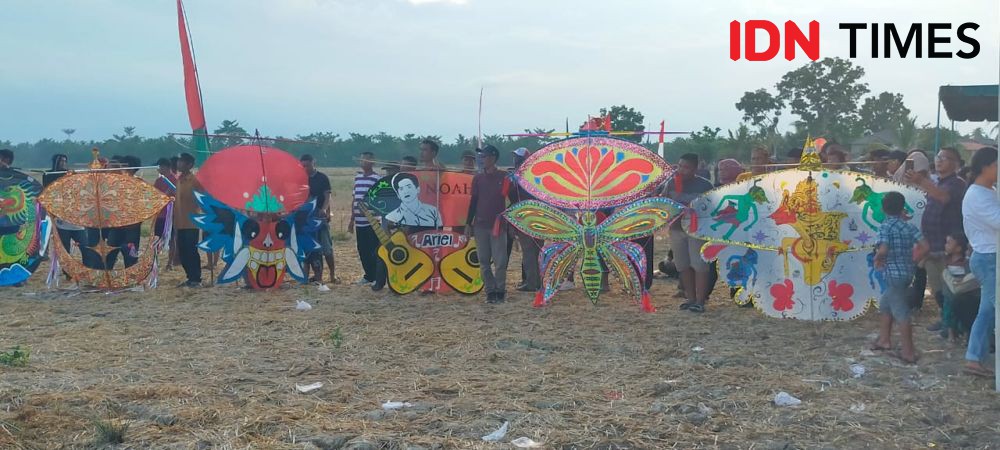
296 66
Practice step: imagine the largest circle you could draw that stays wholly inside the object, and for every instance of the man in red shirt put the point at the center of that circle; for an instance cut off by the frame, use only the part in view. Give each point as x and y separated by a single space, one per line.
485 223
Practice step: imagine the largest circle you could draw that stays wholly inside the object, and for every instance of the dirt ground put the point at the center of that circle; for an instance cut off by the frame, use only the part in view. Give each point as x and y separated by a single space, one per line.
217 368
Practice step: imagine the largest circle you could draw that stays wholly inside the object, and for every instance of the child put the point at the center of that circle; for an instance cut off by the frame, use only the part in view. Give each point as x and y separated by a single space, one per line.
899 244
961 289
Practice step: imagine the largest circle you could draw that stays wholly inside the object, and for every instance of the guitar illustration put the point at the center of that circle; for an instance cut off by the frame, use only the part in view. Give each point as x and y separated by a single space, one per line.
408 268
460 269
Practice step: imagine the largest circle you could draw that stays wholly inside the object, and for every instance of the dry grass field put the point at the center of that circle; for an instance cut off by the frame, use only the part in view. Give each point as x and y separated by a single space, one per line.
217 367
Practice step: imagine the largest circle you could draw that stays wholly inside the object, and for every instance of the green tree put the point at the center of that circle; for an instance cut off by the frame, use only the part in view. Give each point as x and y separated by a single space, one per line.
624 118
885 112
128 133
739 143
761 110
907 133
978 134
228 128
825 94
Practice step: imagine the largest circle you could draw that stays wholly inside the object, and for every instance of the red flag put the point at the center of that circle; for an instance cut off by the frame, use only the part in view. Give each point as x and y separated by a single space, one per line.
607 123
663 124
196 113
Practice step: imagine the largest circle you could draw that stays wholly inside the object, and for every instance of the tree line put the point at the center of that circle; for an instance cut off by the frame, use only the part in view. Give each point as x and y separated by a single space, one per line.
827 97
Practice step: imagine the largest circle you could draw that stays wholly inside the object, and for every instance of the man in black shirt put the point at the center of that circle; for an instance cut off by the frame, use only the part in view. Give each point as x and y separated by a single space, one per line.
319 188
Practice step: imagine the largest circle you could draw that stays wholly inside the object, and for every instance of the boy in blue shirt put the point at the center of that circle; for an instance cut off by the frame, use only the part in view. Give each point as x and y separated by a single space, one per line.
899 244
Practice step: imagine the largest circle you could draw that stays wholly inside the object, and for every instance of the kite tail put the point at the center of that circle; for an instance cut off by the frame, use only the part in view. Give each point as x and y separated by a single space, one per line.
154 272
539 299
647 304
52 281
168 227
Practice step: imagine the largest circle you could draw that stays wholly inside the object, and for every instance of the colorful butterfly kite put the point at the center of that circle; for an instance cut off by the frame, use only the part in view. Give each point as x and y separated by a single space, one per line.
587 174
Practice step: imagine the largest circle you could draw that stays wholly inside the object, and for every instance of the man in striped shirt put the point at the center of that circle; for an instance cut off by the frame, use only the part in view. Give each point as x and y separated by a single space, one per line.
362 229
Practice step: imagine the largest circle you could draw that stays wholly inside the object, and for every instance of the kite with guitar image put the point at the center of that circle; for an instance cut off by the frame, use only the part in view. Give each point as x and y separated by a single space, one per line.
407 267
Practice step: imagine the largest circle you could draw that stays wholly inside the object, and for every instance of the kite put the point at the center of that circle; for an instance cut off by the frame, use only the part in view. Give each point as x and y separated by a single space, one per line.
456 261
105 202
21 234
256 210
192 91
608 241
589 173
434 259
259 248
255 179
422 198
407 267
460 269
792 241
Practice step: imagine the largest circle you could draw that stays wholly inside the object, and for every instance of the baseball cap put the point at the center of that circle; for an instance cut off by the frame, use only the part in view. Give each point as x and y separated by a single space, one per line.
521 151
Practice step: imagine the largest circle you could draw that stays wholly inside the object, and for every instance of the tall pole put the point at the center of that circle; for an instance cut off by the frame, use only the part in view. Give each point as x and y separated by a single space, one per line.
937 130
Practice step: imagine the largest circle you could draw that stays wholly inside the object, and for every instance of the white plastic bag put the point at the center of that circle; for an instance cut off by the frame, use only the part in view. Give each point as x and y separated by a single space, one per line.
785 399
497 435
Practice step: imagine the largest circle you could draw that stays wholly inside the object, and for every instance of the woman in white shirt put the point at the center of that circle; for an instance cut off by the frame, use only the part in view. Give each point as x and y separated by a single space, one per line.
981 215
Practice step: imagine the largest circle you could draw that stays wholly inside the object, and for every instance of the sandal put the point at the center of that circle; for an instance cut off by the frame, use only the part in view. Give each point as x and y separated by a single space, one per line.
686 305
899 355
696 308
878 348
977 372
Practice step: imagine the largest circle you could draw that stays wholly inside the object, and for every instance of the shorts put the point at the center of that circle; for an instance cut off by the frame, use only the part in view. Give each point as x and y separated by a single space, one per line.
324 240
687 251
895 301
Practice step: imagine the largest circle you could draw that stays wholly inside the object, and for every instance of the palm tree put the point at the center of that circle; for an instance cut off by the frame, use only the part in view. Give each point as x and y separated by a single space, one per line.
230 128
907 133
740 141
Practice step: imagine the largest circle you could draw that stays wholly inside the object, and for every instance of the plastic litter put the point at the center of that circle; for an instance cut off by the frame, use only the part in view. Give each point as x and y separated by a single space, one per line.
305 388
857 407
497 435
785 399
523 442
858 370
303 305
389 406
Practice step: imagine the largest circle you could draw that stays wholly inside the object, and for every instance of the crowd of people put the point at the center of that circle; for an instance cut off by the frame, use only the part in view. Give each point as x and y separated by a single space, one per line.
952 252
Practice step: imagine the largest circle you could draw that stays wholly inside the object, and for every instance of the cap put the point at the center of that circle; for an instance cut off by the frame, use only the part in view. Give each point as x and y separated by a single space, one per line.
521 151
491 150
